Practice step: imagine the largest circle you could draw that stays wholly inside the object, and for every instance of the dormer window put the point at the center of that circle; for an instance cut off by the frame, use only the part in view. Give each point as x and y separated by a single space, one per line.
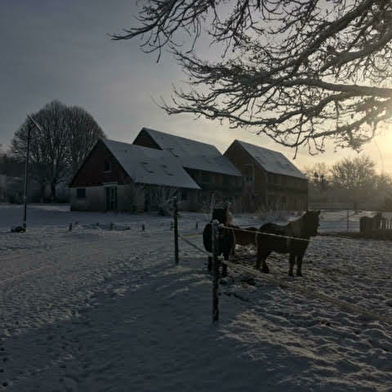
166 170
173 153
147 167
108 167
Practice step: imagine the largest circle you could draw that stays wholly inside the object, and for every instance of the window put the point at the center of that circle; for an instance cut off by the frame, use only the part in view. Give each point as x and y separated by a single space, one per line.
205 178
81 193
248 173
184 195
108 167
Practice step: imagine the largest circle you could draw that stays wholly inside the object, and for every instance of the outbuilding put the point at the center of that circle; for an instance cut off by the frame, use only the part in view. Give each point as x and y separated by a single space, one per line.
119 176
271 181
214 173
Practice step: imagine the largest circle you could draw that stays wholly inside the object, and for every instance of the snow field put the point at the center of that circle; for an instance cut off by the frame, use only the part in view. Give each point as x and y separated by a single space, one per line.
95 309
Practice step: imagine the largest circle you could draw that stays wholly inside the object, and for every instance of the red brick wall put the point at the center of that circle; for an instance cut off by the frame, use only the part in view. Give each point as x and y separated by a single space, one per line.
92 172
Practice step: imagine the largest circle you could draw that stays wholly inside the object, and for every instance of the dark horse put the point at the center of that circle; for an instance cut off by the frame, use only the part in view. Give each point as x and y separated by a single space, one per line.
282 239
225 240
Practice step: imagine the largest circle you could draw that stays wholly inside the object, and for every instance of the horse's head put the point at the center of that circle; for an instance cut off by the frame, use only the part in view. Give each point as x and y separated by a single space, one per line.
220 214
311 222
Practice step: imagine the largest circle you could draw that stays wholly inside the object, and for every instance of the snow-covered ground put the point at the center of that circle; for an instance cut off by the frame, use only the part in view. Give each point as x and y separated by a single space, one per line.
95 309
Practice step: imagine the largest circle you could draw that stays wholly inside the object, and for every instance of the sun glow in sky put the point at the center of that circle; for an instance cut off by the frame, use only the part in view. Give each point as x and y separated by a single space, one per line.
61 50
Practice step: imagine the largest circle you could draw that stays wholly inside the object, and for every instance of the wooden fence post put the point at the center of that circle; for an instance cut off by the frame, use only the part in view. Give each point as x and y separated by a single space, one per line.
175 217
215 271
348 220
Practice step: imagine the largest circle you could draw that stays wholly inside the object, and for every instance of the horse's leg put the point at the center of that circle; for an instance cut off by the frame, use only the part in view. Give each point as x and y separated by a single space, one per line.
209 265
224 270
264 267
291 264
226 256
258 259
261 258
299 264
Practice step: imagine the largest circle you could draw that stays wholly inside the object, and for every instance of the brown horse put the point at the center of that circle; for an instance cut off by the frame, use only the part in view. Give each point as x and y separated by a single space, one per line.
292 238
244 236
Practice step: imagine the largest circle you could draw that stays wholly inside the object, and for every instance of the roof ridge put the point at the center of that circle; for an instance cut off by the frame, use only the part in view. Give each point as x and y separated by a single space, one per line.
263 148
136 146
180 137
278 163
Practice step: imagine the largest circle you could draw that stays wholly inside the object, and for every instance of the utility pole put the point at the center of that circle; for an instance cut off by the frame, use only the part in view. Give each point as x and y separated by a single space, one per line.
26 177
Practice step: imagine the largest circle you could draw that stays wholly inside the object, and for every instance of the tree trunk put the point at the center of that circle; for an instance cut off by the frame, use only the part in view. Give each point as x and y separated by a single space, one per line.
42 192
53 191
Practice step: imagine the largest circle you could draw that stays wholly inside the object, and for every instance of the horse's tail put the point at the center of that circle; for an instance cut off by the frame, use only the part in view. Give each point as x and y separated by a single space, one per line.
207 240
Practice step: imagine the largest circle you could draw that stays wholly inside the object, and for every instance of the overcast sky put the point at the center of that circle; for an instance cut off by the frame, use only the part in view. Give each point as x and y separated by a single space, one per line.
56 49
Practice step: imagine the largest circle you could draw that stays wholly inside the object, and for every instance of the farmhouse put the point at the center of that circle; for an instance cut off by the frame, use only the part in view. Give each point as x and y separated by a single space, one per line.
214 173
270 179
126 177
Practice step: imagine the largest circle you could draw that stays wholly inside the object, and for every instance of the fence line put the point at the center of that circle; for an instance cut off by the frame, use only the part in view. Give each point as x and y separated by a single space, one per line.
192 244
284 284
258 274
192 234
311 293
326 238
263 233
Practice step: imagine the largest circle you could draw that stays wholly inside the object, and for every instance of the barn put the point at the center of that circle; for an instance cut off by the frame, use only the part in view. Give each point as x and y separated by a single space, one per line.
125 177
271 181
214 173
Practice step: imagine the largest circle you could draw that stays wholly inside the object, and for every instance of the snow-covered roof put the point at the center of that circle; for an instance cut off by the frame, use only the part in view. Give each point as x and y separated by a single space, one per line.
271 161
150 166
193 154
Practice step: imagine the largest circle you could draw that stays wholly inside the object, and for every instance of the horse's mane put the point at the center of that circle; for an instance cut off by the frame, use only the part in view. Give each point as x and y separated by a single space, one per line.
295 227
299 226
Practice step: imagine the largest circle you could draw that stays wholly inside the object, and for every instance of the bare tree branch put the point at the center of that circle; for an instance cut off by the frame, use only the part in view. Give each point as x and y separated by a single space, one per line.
301 72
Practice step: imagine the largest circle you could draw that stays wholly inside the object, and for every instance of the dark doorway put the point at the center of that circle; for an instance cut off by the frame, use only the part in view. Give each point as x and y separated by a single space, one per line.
111 198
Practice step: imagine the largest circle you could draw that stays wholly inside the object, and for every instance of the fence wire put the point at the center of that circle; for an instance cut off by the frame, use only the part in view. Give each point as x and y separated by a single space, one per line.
193 245
284 284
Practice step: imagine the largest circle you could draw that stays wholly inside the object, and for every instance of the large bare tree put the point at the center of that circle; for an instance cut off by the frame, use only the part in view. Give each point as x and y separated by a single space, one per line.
355 175
56 151
83 132
301 72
